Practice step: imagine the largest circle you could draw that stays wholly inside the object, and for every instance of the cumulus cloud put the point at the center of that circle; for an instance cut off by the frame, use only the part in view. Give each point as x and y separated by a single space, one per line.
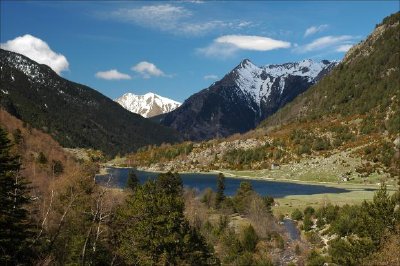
112 74
173 19
344 48
147 70
327 42
228 45
314 29
37 50
210 77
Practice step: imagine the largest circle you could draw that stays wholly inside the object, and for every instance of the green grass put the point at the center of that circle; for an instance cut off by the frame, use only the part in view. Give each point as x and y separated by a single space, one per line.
316 170
356 195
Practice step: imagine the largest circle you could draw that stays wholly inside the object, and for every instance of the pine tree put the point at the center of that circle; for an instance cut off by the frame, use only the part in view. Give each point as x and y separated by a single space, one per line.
151 228
15 233
133 181
220 190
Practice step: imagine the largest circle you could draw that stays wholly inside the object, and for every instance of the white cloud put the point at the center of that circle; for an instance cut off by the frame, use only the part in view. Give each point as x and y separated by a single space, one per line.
219 50
173 19
210 77
344 48
331 42
147 70
164 17
228 45
112 74
256 43
314 29
37 50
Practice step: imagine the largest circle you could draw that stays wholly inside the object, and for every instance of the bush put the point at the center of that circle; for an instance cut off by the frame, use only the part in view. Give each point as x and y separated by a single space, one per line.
315 259
309 211
297 215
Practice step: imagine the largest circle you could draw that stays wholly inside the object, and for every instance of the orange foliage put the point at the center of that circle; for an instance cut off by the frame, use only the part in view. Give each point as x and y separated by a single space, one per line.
32 143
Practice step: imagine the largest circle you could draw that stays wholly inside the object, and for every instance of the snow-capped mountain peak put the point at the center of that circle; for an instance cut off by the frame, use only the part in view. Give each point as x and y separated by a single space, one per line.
244 97
147 105
257 82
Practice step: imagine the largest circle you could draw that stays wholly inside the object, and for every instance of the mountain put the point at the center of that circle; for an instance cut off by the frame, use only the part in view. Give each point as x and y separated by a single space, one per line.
75 115
147 105
366 83
344 127
243 98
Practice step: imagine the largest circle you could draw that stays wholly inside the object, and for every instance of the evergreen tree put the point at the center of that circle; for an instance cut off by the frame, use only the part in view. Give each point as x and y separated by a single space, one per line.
220 190
250 239
170 183
16 230
152 230
57 167
133 181
41 158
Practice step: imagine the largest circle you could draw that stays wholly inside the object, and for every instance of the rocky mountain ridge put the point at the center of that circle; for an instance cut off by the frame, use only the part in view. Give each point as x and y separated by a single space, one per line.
243 98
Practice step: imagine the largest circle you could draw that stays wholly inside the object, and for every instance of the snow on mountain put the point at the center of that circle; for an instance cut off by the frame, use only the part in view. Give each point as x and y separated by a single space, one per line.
257 82
244 97
147 105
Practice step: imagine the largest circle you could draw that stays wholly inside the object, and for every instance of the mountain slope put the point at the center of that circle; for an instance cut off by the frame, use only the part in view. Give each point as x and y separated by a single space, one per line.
147 105
243 98
365 83
74 114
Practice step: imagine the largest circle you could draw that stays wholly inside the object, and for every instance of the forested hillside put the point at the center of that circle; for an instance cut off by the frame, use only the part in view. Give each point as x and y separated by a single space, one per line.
74 114
365 84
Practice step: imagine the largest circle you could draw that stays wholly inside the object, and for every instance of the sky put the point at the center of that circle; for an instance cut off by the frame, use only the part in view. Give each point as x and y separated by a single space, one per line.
177 48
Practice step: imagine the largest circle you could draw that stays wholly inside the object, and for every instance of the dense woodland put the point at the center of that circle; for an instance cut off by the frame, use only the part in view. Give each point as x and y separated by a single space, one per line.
73 114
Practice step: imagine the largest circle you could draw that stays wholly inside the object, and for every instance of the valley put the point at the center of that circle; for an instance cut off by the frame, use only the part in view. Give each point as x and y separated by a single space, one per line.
295 161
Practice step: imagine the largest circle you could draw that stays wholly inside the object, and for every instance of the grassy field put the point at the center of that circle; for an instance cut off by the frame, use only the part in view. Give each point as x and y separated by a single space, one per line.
318 170
356 195
322 171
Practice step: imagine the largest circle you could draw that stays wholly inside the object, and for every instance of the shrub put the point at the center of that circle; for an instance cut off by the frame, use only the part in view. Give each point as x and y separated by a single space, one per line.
297 215
309 210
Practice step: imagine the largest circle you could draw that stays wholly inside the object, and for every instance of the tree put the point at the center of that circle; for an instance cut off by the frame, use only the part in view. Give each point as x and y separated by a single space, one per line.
170 183
250 239
17 135
152 229
16 228
243 195
268 201
220 190
132 181
57 167
41 158
307 222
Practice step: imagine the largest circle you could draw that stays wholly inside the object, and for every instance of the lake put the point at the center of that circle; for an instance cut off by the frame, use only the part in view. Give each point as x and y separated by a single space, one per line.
202 181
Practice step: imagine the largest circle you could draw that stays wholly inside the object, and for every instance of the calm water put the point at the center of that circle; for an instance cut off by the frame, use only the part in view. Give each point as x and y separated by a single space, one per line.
203 181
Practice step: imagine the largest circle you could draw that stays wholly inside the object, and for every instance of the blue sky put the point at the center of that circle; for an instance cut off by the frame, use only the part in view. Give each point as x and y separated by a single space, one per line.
178 48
